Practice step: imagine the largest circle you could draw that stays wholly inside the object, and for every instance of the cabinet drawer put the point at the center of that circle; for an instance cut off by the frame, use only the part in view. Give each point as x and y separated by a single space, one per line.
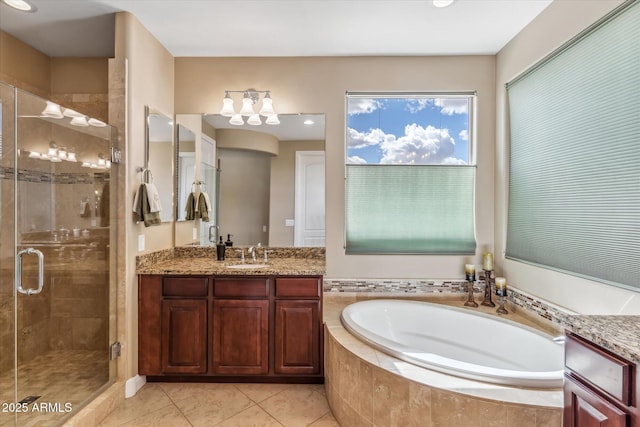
232 287
299 287
185 286
604 371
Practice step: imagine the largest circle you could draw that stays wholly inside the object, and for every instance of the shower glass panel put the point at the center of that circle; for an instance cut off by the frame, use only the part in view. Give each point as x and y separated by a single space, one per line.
56 180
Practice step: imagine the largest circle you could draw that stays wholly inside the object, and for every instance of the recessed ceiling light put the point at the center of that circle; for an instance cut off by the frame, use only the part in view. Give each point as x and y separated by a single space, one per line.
20 5
308 122
442 3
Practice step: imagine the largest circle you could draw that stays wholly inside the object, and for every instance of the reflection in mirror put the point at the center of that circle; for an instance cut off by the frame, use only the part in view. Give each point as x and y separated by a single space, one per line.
160 159
258 179
186 168
209 178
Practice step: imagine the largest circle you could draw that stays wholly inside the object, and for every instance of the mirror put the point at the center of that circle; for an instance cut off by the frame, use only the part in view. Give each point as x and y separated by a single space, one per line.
263 171
185 168
159 159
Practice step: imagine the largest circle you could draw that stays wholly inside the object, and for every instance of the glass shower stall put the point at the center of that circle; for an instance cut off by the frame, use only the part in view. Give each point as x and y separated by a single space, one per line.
57 287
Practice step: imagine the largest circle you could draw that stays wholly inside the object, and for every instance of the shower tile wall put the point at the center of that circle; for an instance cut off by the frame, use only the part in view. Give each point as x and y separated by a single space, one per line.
72 311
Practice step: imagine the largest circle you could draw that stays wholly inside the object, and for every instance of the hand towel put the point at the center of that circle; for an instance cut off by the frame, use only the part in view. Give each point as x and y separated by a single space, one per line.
207 202
203 212
141 208
153 198
190 208
85 210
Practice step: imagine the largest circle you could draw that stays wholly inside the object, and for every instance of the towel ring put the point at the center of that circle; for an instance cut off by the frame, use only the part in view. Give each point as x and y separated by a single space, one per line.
203 186
149 179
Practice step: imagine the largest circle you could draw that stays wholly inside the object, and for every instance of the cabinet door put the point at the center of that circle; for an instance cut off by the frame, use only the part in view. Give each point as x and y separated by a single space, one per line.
184 336
241 337
585 408
297 337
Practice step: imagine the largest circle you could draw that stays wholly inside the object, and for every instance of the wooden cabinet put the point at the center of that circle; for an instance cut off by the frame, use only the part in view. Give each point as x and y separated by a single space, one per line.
298 325
241 337
600 387
297 337
230 328
184 336
173 325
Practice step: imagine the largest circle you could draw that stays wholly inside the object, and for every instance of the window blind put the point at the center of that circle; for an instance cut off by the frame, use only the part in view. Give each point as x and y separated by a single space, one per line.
574 196
410 209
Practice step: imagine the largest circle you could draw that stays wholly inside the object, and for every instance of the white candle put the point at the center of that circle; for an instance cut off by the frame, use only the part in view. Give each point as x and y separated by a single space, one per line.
487 261
501 286
470 272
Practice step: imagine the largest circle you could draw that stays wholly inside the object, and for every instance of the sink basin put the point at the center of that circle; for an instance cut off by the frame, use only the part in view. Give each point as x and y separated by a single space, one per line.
246 266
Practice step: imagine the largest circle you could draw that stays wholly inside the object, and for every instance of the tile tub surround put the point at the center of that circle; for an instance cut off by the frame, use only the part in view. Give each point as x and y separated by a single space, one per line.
367 387
619 334
202 260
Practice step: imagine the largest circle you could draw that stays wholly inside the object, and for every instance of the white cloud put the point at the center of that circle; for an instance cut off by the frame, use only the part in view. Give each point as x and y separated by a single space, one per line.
415 105
362 106
418 146
356 160
464 135
451 106
357 139
453 161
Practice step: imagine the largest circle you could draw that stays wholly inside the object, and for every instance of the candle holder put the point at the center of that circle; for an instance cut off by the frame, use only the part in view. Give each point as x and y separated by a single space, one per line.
470 302
501 309
488 280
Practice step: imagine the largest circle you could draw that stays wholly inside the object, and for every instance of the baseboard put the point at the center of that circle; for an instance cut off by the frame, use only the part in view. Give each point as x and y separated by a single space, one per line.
134 384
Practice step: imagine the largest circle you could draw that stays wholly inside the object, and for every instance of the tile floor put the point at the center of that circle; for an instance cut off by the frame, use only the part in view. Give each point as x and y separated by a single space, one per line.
226 405
60 377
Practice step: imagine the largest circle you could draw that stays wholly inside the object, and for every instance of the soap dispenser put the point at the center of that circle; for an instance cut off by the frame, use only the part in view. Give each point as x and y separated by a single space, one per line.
228 242
220 248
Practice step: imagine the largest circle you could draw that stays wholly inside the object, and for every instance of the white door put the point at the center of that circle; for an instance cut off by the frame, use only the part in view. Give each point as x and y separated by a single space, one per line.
309 226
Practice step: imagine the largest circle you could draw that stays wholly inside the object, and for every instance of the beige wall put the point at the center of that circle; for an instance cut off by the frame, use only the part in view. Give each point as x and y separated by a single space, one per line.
555 25
23 66
150 75
318 85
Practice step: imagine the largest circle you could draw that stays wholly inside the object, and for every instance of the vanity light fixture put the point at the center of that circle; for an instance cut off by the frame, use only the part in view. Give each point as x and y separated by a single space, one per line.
249 99
68 112
52 110
20 5
443 3
97 123
79 121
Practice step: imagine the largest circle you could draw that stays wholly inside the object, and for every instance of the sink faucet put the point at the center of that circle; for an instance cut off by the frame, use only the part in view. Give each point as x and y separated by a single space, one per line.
253 250
241 254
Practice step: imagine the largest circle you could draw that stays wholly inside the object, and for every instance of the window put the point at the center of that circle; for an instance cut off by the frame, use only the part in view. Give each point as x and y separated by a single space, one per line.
574 192
410 176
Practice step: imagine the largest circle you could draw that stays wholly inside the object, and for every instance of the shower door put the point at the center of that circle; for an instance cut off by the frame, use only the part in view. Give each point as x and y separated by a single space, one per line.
56 293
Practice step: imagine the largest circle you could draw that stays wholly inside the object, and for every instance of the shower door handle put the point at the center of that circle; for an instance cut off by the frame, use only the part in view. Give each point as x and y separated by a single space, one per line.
29 291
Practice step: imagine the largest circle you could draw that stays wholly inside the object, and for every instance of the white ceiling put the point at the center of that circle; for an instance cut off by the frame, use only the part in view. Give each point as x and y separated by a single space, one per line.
291 128
222 28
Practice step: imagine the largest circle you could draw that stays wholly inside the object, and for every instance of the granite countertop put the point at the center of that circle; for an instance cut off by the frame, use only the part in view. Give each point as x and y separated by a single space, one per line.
618 334
202 260
275 266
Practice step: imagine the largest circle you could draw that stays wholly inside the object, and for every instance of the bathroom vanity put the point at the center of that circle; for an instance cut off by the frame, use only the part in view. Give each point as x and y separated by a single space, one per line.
601 386
226 324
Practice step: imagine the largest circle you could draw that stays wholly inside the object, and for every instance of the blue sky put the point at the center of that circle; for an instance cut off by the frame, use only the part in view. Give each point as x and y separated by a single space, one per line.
421 130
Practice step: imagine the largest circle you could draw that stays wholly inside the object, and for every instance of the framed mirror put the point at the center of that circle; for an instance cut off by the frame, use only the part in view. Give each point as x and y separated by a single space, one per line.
159 159
262 195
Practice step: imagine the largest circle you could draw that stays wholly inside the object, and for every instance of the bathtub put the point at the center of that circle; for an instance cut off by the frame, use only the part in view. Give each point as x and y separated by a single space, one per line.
459 342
